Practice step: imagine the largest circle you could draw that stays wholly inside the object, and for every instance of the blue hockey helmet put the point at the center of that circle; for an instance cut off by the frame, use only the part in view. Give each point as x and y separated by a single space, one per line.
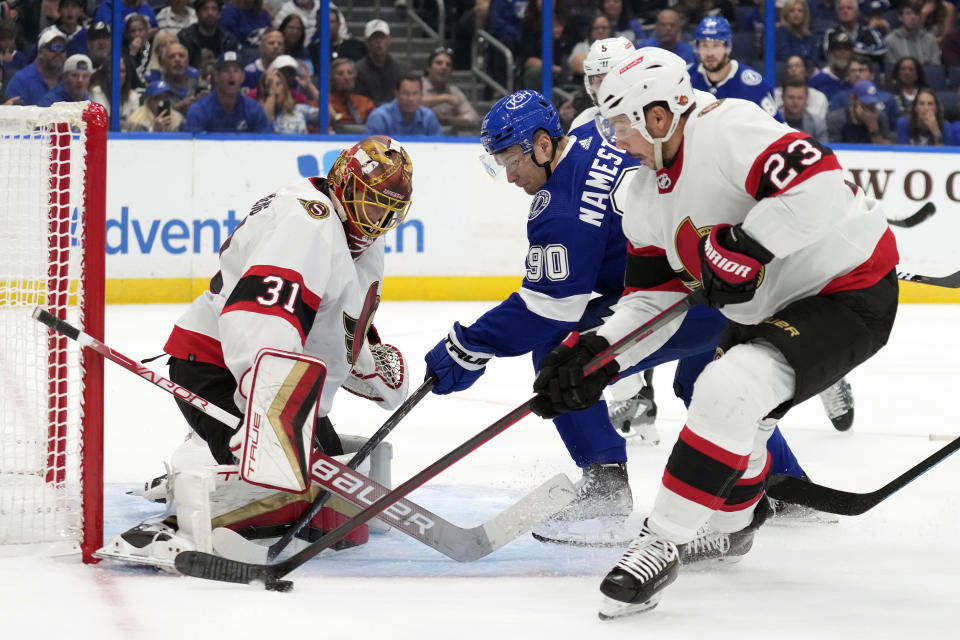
514 119
714 28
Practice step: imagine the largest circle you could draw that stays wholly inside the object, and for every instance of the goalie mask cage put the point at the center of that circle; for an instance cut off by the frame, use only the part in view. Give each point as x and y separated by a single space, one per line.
52 249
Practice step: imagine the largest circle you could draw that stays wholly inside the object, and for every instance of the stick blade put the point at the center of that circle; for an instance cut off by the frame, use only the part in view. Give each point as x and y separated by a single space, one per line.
922 214
815 496
198 564
529 511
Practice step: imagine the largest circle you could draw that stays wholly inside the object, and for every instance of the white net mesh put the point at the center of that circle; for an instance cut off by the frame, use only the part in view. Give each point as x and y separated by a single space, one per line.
42 236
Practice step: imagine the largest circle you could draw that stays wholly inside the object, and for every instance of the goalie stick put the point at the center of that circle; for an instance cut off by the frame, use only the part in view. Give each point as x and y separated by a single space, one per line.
455 542
379 436
211 567
847 503
922 214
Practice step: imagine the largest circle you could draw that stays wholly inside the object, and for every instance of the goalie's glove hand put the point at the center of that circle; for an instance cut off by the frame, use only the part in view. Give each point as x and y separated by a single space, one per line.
456 362
731 265
561 386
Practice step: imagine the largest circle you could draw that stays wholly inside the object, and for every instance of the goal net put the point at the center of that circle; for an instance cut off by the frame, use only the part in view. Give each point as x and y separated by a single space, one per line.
52 202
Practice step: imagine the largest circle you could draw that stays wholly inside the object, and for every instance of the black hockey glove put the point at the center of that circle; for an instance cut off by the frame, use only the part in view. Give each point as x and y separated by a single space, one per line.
561 387
731 265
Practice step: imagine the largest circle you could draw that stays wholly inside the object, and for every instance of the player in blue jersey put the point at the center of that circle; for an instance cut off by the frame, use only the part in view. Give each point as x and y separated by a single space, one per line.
577 249
723 76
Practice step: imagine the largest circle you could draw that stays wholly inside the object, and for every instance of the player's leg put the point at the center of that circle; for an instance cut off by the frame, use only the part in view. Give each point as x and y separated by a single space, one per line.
716 469
217 385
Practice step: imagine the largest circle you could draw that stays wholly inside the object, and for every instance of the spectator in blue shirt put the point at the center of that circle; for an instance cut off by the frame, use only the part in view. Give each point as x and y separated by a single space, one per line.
667 33
246 20
792 36
11 59
404 115
73 84
225 110
34 81
105 12
69 23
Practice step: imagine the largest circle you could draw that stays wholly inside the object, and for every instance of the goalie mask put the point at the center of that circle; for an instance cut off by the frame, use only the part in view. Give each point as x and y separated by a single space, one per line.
372 183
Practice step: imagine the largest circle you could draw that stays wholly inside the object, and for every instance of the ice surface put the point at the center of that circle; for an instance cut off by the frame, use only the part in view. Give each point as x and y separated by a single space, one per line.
891 573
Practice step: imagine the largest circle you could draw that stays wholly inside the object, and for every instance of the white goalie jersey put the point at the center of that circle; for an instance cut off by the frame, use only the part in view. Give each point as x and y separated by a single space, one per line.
287 280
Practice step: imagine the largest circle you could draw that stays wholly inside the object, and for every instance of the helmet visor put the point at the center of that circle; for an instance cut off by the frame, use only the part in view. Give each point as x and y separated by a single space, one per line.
374 212
608 131
498 164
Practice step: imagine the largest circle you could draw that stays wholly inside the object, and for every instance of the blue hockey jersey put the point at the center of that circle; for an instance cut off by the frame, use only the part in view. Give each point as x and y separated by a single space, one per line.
742 82
577 248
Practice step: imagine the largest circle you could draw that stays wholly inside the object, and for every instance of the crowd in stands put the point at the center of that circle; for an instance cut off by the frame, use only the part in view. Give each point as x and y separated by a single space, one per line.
877 72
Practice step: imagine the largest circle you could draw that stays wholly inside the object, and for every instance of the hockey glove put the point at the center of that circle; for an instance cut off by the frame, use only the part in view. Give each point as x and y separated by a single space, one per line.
561 386
731 265
456 363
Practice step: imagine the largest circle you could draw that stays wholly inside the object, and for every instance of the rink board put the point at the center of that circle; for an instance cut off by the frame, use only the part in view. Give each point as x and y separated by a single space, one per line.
464 238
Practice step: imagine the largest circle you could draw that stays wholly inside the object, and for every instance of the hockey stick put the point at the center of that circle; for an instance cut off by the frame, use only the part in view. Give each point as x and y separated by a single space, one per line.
211 567
456 542
846 503
922 214
951 281
274 550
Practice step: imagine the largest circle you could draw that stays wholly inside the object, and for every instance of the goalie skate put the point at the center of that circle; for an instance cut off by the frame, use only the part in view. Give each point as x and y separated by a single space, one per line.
635 584
597 515
154 544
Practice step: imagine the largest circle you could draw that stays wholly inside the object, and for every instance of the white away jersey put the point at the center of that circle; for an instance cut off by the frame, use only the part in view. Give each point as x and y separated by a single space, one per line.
286 280
736 165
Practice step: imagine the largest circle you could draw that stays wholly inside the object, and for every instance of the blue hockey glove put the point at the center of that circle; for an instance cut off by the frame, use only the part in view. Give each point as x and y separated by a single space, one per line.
456 363
561 387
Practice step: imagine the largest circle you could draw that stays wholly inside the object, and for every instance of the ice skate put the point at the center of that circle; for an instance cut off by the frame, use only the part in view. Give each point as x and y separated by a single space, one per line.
596 516
635 416
634 585
155 490
838 403
151 543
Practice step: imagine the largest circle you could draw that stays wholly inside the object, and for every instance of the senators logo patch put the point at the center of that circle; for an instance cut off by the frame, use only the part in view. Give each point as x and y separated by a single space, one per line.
315 208
710 107
686 241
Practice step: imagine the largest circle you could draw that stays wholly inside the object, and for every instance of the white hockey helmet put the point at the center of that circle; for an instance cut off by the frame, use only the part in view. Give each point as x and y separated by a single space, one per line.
603 56
647 76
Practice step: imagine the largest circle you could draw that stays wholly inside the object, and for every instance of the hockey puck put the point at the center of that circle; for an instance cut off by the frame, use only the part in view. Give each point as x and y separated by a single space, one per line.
279 585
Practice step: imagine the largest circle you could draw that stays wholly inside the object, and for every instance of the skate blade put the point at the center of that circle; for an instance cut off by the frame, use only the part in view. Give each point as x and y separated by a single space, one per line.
117 556
611 543
610 608
595 532
802 517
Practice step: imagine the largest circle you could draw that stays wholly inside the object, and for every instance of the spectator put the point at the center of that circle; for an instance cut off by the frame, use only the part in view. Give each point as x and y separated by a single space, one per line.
293 38
127 7
157 112
504 21
447 101
307 11
346 107
206 34
342 44
160 41
833 77
723 76
11 59
861 68
136 43
646 12
271 46
866 41
938 17
101 88
530 49
600 29
70 23
35 80
73 83
911 39
950 46
176 16
795 112
245 20
180 76
99 44
925 124
404 115
378 73
298 80
875 16
619 17
796 69
906 79
861 121
225 110
823 15
287 115
667 33
697 10
792 36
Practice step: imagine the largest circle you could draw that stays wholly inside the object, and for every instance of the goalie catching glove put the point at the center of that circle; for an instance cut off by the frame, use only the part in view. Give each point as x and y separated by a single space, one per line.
455 362
380 374
731 265
561 386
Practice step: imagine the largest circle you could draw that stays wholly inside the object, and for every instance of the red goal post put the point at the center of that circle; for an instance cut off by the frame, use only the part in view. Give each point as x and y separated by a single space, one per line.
52 250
